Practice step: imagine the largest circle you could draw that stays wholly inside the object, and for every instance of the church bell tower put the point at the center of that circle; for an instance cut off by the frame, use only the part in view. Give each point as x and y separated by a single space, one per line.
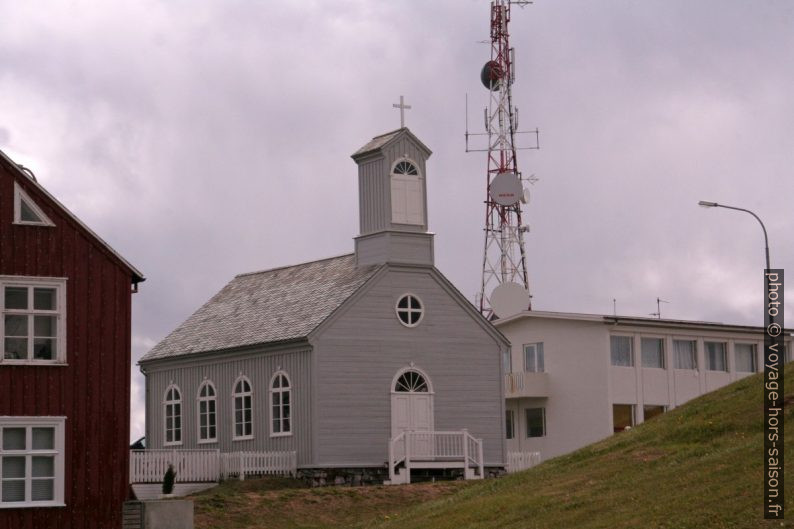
392 200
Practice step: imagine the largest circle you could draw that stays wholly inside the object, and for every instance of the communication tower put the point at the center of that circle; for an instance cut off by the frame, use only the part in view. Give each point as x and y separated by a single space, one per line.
505 283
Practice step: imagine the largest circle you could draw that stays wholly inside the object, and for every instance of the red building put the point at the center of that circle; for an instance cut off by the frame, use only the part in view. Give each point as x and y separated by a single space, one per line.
65 299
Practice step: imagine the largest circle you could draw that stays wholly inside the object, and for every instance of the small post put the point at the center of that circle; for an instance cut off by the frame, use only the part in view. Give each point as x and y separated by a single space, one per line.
479 455
407 457
391 460
242 472
465 435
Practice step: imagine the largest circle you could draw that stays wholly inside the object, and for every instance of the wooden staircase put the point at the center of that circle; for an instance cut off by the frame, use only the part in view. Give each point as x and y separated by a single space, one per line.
436 450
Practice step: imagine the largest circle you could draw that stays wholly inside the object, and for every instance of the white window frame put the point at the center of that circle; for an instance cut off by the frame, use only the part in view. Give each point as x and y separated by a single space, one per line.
19 196
694 343
214 414
291 404
242 395
662 352
632 359
58 423
753 356
632 415
538 366
30 282
724 356
510 424
170 403
543 419
409 310
405 182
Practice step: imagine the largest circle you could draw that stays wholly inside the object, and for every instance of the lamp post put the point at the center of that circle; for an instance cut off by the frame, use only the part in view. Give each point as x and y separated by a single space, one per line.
706 204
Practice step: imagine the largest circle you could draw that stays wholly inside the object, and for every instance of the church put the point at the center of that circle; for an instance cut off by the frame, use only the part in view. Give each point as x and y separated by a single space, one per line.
370 363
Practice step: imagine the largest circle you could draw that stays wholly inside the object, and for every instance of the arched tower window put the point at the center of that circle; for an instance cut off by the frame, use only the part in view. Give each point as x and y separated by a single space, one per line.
207 429
173 415
280 405
243 413
407 200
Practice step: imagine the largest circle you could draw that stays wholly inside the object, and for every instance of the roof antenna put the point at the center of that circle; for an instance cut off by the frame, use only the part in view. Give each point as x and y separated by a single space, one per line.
614 307
658 312
27 172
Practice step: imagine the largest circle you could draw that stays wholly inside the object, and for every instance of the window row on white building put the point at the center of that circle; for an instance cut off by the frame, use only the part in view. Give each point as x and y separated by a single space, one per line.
685 354
279 401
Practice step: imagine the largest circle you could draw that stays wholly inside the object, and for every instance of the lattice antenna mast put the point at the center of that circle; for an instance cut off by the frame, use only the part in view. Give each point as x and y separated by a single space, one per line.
505 282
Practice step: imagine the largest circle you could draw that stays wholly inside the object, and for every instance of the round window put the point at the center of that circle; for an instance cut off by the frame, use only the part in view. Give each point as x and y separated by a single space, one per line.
410 310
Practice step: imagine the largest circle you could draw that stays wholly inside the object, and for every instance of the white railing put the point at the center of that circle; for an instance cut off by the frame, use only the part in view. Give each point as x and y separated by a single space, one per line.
241 464
193 466
517 461
149 466
514 382
432 446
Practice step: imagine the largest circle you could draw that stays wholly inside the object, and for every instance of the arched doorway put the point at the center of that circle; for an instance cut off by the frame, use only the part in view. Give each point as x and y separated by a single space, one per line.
411 401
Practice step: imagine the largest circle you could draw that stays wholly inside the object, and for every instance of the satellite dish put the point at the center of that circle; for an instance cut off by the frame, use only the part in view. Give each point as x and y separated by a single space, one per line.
490 75
508 299
525 196
506 189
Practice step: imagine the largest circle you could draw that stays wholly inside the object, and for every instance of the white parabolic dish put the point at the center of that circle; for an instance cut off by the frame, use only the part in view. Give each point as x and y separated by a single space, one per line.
508 299
506 189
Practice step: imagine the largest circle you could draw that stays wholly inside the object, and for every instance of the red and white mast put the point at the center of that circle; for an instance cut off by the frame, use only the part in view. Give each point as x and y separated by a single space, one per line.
505 283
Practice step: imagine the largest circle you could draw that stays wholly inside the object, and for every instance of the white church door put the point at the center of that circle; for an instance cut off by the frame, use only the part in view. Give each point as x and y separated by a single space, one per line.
407 198
412 409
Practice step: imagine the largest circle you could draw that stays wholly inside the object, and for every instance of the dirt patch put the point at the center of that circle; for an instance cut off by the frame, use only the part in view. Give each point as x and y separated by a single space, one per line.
647 455
292 506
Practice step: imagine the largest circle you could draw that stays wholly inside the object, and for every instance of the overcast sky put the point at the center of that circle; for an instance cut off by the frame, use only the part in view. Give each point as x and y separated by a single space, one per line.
203 139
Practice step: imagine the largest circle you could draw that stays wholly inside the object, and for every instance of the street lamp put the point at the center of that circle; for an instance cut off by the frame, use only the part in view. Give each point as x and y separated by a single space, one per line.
706 204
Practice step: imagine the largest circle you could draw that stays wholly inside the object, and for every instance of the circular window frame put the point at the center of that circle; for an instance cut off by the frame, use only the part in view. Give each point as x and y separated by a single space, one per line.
409 310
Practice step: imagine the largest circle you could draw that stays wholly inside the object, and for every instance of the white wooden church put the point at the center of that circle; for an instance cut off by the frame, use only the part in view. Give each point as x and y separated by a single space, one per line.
370 363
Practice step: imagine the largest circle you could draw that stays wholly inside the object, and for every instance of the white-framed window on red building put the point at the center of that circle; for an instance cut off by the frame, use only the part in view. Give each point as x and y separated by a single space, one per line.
33 323
31 461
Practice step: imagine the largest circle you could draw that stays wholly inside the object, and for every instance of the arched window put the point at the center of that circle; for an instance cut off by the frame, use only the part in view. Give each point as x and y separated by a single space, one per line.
207 431
407 200
410 310
411 382
243 421
173 415
280 405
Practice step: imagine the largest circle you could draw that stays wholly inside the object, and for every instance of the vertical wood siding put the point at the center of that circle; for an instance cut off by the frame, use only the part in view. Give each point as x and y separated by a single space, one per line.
93 390
259 368
359 353
374 197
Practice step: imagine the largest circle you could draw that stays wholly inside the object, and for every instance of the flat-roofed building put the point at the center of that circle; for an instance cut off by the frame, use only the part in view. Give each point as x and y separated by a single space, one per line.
573 379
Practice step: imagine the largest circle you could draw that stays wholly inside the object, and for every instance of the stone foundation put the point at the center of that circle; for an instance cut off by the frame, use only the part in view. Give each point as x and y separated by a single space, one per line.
356 477
350 477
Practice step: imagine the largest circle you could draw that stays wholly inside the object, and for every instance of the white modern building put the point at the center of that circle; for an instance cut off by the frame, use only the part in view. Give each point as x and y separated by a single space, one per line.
573 379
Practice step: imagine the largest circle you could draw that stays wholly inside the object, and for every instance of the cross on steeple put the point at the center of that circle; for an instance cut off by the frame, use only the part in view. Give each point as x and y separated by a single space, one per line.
402 106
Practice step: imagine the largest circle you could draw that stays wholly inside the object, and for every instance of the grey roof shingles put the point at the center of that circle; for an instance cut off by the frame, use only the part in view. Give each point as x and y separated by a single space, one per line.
270 306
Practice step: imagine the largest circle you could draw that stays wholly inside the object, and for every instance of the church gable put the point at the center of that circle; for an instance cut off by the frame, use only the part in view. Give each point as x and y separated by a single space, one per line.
407 318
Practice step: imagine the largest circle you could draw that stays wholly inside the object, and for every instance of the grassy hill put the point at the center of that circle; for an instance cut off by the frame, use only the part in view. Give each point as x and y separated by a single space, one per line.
698 466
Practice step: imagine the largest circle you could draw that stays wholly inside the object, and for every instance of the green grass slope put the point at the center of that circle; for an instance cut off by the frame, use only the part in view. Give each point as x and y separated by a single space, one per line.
697 466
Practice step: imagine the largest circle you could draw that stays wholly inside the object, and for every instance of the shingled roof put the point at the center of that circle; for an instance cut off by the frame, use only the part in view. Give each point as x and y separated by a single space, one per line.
382 141
269 306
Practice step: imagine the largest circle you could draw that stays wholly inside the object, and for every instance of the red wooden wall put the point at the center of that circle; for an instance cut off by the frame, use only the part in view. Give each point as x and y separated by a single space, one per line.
93 390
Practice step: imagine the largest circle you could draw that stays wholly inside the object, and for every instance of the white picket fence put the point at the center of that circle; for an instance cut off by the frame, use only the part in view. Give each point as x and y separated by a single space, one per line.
195 466
258 464
517 461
